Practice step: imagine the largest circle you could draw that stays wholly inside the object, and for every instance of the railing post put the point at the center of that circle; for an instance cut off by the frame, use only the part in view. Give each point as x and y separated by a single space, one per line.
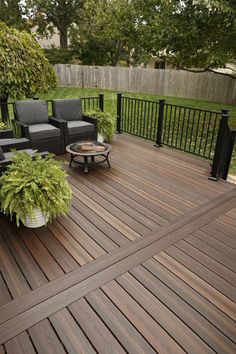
219 144
229 153
160 123
101 101
4 109
118 113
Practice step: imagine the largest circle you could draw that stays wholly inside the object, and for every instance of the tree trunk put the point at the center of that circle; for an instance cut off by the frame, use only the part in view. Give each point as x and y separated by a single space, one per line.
4 108
63 37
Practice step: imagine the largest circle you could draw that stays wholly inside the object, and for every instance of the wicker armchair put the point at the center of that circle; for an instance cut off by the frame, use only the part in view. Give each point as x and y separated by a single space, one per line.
77 125
44 132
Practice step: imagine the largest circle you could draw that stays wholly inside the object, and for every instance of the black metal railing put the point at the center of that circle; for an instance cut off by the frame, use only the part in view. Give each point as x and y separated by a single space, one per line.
88 103
190 129
201 132
139 117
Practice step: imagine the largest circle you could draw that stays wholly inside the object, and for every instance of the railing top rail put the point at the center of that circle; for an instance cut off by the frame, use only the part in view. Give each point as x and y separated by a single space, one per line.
193 108
82 98
140 99
173 105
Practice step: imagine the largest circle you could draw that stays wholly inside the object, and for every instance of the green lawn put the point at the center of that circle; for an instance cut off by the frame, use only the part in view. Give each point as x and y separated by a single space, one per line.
111 98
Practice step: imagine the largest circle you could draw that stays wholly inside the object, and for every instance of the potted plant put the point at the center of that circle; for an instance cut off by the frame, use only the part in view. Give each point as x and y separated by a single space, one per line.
34 190
105 124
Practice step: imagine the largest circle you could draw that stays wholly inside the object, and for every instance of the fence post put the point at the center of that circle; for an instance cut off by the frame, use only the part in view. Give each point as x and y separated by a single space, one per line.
101 101
219 144
118 113
160 123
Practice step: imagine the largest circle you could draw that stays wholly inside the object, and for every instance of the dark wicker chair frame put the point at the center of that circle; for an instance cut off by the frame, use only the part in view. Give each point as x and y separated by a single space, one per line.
52 144
83 117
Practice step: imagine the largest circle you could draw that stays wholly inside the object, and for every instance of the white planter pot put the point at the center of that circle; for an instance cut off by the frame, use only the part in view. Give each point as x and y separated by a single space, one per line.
39 219
100 138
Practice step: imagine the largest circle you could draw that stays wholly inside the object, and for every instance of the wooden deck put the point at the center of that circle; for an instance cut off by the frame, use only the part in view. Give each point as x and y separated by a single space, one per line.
144 263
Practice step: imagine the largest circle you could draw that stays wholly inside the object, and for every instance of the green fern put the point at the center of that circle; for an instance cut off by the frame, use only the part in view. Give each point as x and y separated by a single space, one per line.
105 123
34 183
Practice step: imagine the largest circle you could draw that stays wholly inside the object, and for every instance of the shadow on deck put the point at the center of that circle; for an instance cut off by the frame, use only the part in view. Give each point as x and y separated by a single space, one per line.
144 263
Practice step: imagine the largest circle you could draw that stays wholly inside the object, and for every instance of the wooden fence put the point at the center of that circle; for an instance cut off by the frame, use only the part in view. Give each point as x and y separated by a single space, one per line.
178 83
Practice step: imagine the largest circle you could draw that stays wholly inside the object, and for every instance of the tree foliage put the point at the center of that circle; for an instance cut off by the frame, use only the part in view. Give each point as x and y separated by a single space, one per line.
108 32
11 12
47 14
24 68
189 33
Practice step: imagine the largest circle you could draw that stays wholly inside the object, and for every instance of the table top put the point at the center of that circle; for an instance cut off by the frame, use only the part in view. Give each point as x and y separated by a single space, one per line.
88 148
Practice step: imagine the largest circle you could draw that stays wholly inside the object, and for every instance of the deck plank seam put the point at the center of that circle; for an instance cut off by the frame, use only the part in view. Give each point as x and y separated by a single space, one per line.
201 262
217 277
183 299
181 319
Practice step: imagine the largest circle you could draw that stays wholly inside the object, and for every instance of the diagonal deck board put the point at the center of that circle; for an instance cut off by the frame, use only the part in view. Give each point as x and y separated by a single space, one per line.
120 235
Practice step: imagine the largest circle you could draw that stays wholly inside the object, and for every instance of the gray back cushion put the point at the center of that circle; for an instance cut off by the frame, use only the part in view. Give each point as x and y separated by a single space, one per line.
69 109
31 112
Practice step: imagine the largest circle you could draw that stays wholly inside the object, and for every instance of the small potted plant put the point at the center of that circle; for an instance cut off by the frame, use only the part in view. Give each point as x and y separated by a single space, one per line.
34 190
105 124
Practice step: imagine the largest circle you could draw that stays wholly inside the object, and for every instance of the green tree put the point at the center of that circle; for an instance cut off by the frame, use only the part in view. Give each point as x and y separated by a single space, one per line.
189 33
25 71
11 12
47 14
107 33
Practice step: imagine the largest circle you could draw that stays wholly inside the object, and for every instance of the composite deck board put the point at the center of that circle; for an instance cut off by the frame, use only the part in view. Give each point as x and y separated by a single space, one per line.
176 282
215 243
105 197
143 263
45 339
135 254
5 296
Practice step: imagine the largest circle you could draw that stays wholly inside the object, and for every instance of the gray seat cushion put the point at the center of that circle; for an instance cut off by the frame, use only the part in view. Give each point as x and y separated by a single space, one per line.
31 112
69 109
80 127
43 131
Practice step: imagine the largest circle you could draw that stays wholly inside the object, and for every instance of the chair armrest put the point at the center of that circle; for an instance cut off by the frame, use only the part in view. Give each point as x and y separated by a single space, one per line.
23 127
18 144
59 123
89 119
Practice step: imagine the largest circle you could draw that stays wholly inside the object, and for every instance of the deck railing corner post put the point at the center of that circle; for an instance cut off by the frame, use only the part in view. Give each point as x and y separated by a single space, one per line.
214 174
101 101
160 121
118 113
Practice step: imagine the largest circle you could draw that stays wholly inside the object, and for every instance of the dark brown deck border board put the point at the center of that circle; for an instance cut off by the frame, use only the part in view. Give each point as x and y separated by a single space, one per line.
51 298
